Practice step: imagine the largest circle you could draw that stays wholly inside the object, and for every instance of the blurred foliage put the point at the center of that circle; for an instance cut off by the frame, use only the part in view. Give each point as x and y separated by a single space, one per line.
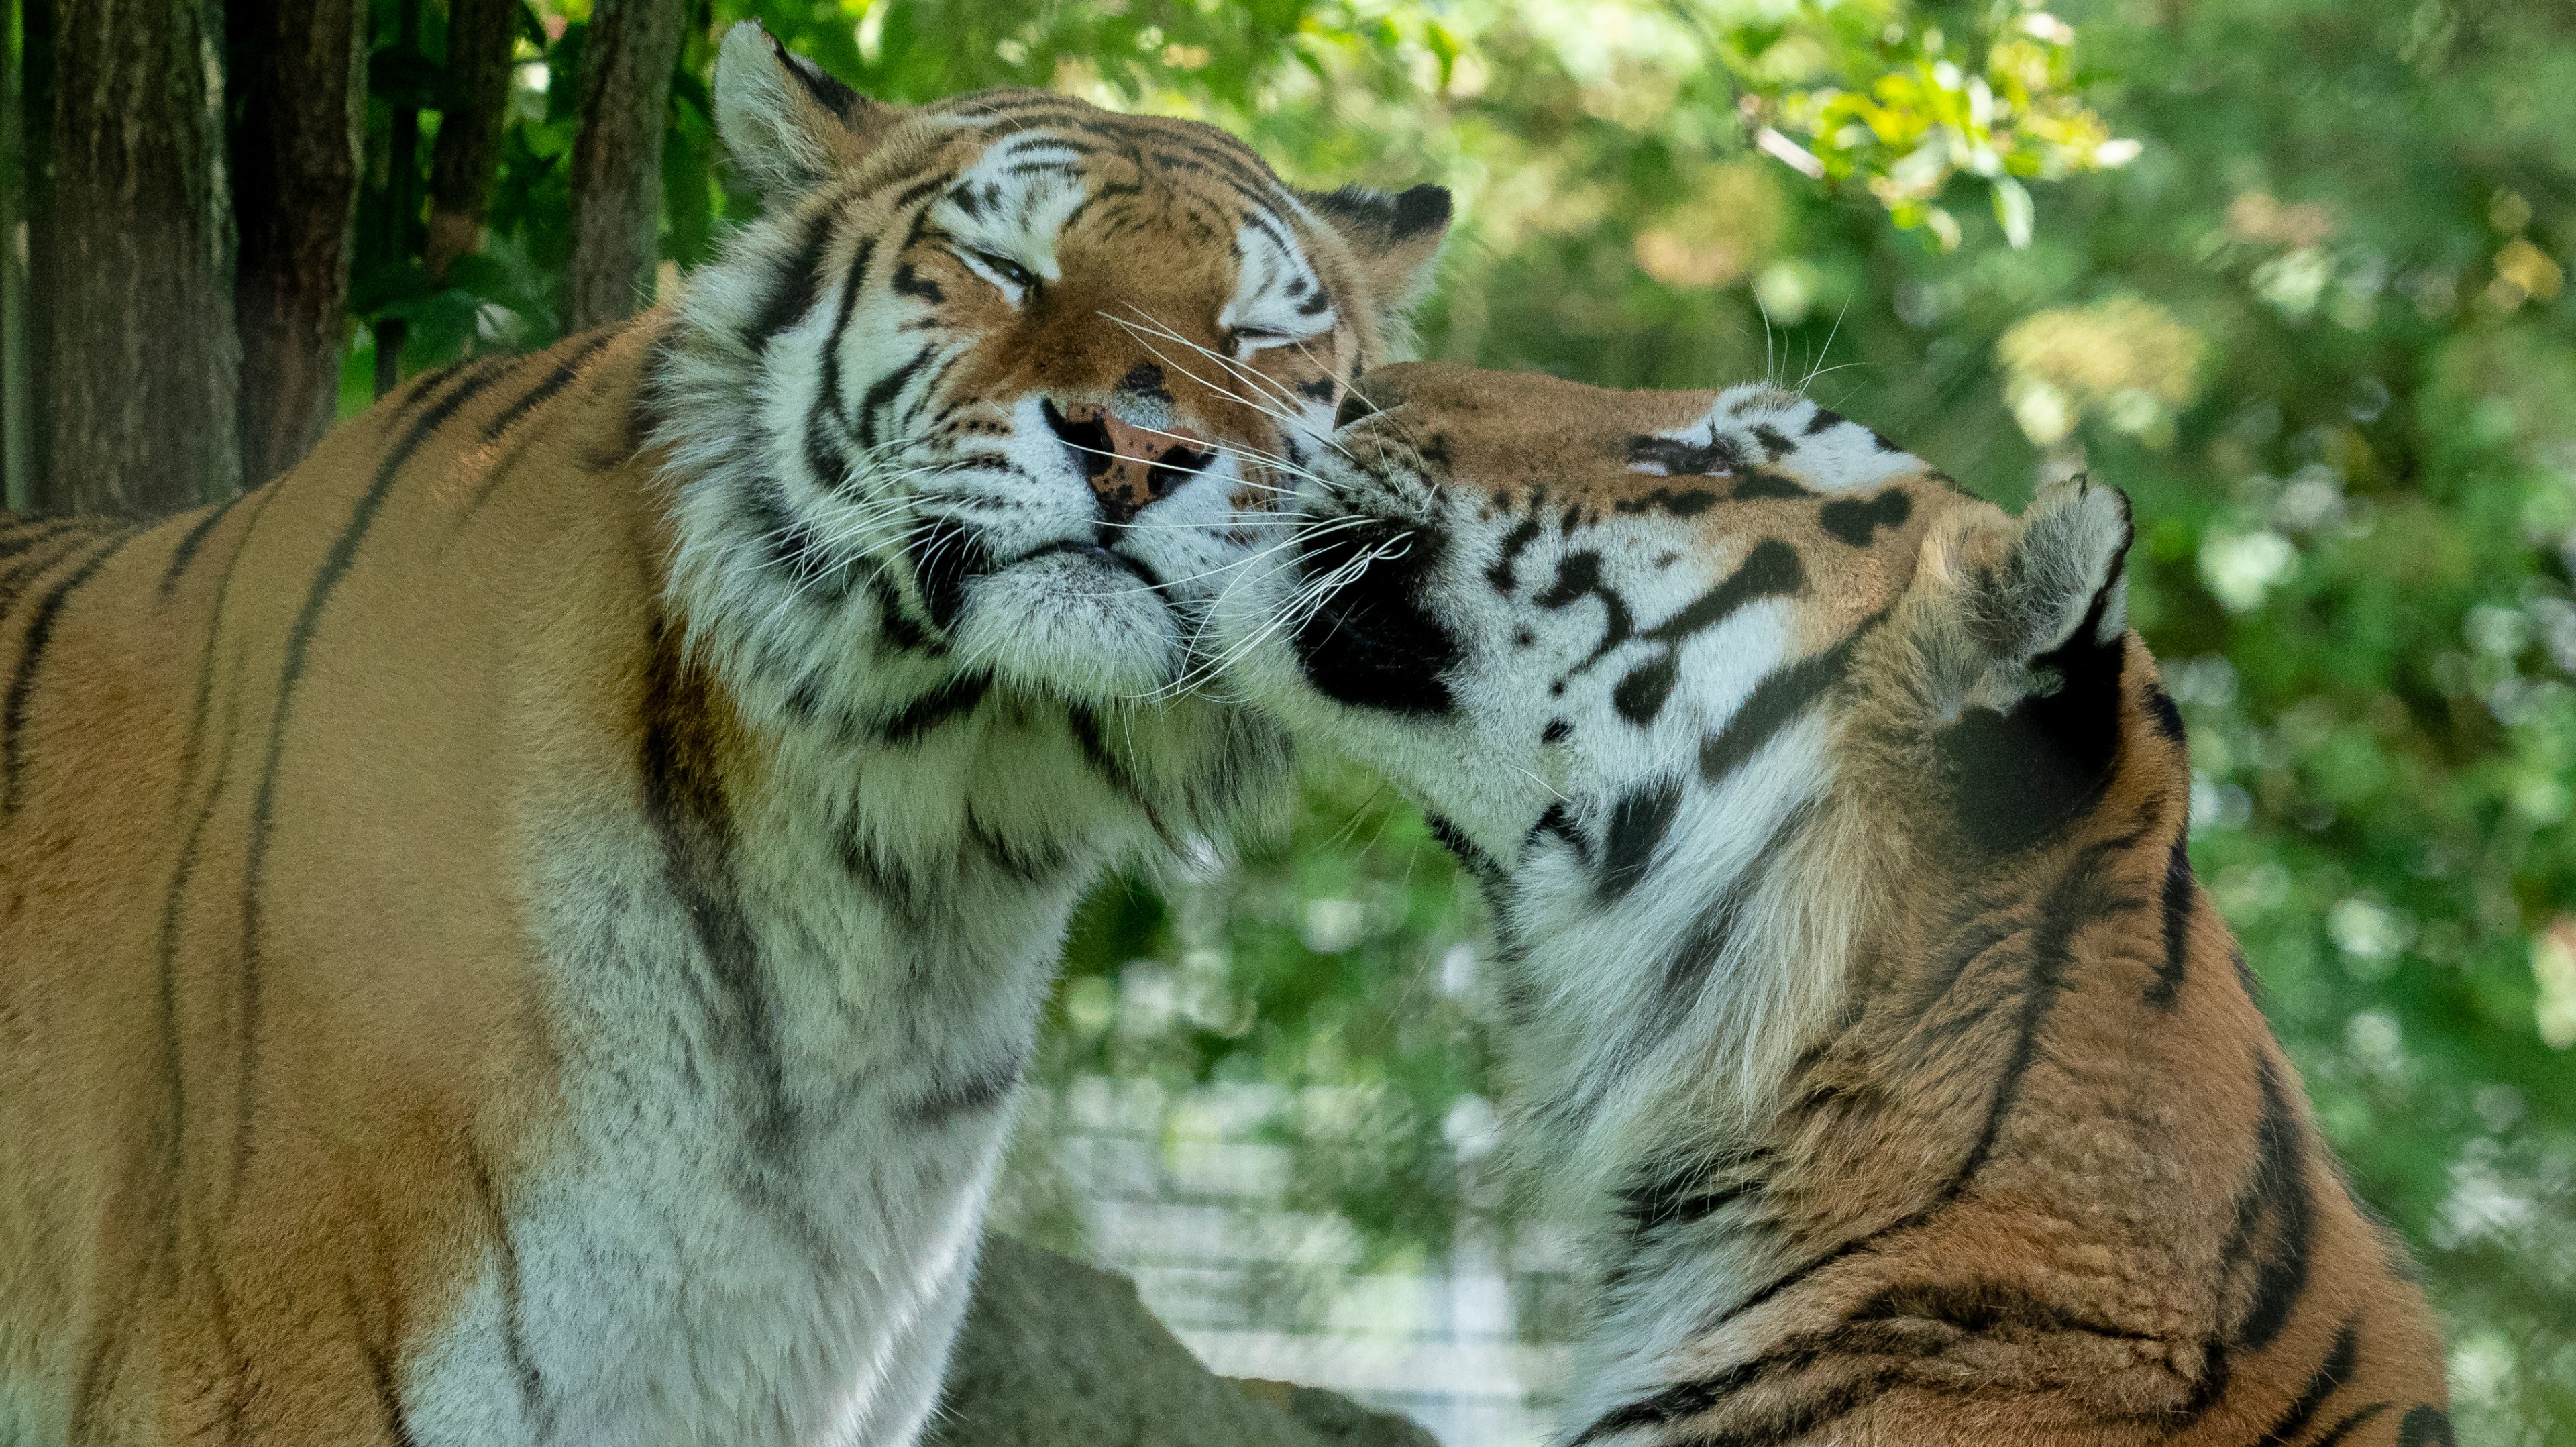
2290 271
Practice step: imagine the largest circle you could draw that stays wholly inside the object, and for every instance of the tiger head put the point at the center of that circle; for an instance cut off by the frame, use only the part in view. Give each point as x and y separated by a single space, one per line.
999 383
1580 626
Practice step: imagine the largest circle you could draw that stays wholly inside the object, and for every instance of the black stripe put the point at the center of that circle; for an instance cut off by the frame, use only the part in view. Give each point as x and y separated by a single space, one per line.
918 189
2352 1423
956 697
945 553
299 643
412 393
1856 523
2279 1195
884 392
56 548
795 548
2425 1426
1978 1307
1087 737
897 629
1681 1193
514 1332
2077 895
1643 690
1521 536
238 1384
1638 823
2166 988
28 535
908 281
1787 1422
1972 943
380 1371
195 538
2162 712
889 880
1455 840
974 1094
553 382
1032 862
823 455
799 284
2323 1383
829 393
1779 698
22 682
1559 821
1685 977
1771 570
168 1061
1909 1322
686 806
1762 485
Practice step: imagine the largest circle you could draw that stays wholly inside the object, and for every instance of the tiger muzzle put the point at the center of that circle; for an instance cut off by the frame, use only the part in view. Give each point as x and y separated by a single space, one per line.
1130 468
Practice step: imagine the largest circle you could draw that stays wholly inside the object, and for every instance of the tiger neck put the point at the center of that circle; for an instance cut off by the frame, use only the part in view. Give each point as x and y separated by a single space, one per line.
1741 1147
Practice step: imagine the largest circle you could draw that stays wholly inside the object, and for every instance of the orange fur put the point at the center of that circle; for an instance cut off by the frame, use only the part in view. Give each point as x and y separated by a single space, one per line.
257 1124
281 1049
2017 1162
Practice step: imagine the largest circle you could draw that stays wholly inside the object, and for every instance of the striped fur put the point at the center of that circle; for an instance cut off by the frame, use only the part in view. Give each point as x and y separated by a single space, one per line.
1858 994
527 928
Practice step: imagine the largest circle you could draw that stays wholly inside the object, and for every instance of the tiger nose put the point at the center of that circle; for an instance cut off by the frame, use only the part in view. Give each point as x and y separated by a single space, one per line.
1130 468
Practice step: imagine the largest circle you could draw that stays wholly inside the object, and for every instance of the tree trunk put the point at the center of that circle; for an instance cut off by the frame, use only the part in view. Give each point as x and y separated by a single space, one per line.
479 33
626 60
17 421
299 81
138 364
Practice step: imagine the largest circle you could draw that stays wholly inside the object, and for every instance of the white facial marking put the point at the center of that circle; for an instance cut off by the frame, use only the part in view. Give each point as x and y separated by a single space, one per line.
1005 210
1757 428
1277 296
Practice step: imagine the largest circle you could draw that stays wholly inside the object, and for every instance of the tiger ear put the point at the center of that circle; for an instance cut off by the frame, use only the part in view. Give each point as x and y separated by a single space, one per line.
1394 238
786 122
2023 589
2022 624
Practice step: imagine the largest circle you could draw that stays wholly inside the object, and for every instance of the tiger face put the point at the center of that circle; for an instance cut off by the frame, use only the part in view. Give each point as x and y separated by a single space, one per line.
1001 383
1542 607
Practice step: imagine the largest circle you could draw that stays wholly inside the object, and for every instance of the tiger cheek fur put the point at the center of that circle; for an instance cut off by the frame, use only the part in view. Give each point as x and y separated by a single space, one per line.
1856 991
528 928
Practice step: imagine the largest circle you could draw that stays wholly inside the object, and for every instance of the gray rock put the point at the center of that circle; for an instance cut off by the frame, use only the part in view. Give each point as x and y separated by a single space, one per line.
1057 1354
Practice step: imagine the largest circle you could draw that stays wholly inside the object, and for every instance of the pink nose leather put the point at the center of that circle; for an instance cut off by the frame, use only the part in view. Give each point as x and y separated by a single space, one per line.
1131 467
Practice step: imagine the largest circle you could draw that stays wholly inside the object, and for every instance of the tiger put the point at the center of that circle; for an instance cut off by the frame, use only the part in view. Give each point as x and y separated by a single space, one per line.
1858 1007
529 927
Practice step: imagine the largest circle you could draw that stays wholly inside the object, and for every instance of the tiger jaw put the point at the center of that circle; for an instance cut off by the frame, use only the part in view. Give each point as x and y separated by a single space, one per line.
1074 621
1112 620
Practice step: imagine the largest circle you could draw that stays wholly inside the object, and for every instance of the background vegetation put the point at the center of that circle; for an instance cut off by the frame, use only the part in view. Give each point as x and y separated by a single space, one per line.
2290 271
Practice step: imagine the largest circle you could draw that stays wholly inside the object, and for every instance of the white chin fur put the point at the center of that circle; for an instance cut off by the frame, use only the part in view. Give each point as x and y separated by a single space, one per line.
1073 625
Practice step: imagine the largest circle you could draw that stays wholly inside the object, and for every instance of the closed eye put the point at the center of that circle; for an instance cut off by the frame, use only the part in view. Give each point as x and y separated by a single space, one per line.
1248 340
1000 270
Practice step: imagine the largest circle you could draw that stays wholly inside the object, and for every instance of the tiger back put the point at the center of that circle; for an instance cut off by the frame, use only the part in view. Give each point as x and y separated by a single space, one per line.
1858 1000
528 927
